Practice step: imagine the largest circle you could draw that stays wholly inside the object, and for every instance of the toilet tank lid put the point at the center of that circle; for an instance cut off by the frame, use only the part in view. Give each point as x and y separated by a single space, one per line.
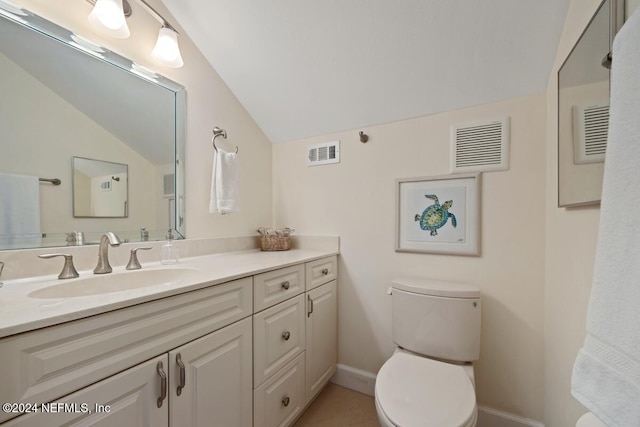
438 288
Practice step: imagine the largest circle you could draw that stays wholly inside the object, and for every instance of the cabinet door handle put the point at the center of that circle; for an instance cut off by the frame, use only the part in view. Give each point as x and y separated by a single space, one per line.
285 401
286 335
183 380
325 271
286 285
310 306
163 384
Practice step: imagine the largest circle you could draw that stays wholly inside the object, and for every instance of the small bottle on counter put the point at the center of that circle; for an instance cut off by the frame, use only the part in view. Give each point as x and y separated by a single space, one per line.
169 250
144 235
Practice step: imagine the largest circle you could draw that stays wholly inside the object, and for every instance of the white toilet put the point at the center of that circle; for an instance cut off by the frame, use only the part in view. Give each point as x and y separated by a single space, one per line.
429 381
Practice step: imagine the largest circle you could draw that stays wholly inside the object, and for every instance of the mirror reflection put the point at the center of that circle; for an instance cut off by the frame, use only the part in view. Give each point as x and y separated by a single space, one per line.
99 189
64 98
583 113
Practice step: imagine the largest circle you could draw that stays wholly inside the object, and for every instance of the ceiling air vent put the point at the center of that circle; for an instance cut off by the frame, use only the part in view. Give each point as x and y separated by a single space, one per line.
323 154
480 147
590 129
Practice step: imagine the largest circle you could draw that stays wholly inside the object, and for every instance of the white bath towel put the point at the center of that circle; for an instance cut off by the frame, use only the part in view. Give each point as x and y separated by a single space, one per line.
224 183
606 374
19 211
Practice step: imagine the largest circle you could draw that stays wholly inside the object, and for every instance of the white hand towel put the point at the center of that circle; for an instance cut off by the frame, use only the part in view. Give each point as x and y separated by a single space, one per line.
19 211
606 374
224 183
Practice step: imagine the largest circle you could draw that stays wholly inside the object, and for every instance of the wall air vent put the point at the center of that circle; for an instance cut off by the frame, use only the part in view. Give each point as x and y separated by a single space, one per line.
168 185
590 129
324 154
480 147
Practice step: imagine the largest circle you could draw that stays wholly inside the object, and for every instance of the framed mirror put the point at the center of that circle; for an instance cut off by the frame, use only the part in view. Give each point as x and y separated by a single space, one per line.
583 109
67 98
100 189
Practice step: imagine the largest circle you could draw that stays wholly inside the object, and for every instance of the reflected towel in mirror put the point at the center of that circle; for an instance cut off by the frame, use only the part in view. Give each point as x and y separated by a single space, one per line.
224 183
19 210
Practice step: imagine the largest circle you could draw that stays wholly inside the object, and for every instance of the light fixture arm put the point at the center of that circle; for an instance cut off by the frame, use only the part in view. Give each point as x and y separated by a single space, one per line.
156 15
127 12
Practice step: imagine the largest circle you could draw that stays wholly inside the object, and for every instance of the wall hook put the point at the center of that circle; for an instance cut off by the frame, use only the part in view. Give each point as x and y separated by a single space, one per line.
363 137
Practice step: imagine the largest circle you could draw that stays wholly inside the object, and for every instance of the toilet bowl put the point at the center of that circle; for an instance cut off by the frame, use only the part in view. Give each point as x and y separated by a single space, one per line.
590 420
412 390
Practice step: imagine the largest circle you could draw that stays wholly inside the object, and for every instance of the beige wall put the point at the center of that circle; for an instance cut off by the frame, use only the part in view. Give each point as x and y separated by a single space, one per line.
209 104
355 200
570 252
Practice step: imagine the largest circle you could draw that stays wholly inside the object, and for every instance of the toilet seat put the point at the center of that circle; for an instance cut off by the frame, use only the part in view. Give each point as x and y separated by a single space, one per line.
416 391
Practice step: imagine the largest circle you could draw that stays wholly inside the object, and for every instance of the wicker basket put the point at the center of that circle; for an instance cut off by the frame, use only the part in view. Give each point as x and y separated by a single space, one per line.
275 243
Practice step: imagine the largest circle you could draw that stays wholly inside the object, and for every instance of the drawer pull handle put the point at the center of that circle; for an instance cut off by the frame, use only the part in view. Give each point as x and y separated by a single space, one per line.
286 335
183 379
310 310
163 384
285 401
325 271
286 285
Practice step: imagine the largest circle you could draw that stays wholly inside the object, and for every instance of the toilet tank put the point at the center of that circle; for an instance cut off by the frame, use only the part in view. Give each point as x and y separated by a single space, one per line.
436 318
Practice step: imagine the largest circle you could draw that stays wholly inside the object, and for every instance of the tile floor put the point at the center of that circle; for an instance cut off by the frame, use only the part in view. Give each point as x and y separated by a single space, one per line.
337 406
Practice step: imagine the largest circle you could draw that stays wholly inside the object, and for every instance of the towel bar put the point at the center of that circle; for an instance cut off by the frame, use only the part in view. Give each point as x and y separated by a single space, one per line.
219 132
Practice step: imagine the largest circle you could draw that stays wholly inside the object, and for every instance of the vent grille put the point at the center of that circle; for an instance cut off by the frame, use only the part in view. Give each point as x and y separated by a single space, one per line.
480 147
325 153
590 130
168 185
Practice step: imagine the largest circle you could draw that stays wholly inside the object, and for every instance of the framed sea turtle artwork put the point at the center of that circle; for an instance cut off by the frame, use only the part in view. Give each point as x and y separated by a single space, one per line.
438 214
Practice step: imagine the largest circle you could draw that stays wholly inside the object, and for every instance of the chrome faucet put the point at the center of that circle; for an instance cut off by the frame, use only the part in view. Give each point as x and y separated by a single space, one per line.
107 239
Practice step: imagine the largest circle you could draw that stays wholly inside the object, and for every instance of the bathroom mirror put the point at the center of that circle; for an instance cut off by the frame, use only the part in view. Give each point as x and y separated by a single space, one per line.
99 189
65 97
583 109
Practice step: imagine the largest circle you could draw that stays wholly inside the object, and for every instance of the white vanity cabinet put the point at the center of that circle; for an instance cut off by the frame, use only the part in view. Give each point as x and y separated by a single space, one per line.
252 351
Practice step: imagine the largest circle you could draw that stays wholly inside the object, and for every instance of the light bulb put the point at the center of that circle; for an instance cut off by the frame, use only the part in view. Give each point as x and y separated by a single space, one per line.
166 50
109 15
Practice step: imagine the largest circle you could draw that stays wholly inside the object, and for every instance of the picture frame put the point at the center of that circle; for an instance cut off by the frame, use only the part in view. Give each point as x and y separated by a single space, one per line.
439 214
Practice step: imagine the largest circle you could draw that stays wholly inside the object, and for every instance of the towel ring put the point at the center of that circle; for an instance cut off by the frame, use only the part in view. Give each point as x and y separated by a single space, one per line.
219 132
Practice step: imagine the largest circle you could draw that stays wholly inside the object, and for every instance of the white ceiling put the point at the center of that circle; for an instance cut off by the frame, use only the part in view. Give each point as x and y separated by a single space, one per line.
304 68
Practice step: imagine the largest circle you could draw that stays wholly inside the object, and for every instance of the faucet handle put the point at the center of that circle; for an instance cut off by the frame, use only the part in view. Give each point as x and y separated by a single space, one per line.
134 264
68 270
1 268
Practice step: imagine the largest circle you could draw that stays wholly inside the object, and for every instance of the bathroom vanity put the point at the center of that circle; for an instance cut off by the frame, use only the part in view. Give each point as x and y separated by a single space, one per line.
232 339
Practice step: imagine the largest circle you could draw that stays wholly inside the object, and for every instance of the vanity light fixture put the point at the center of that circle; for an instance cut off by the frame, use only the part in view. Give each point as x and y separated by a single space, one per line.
111 15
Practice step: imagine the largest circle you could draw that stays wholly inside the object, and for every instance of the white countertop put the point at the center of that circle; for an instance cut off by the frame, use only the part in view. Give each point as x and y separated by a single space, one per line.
20 312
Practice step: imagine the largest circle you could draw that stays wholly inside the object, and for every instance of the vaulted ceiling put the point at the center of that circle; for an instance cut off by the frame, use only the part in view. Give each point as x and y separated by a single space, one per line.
304 68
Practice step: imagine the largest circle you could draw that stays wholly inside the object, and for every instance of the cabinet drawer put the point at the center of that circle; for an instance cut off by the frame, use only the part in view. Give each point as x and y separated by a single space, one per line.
45 364
321 271
278 337
280 400
273 287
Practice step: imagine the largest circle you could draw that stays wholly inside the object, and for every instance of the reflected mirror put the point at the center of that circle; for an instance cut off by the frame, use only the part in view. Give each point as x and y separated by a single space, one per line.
65 97
99 189
583 114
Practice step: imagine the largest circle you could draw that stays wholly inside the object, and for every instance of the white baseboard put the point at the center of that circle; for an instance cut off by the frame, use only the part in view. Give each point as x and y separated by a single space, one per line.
489 417
355 379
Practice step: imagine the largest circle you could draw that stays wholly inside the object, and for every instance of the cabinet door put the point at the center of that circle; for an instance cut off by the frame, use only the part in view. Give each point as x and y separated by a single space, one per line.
217 378
322 337
127 399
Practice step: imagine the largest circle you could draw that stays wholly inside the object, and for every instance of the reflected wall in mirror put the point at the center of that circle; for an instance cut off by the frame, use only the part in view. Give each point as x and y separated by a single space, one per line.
64 97
583 108
99 189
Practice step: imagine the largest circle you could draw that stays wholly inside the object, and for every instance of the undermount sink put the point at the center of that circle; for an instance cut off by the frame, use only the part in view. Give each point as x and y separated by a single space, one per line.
114 282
